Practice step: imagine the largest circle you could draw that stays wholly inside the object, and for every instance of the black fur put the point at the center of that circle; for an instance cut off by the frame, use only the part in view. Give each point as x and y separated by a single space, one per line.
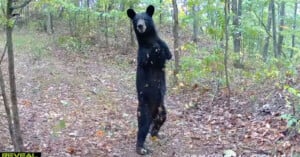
150 77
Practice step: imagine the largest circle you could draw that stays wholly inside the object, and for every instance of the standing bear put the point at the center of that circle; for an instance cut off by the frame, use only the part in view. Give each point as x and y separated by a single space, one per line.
150 76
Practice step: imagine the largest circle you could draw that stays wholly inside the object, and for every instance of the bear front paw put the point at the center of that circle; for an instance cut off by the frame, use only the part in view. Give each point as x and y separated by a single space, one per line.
156 48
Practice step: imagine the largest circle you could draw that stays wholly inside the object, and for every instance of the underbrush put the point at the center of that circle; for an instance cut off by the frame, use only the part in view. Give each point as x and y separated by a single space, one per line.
36 45
202 69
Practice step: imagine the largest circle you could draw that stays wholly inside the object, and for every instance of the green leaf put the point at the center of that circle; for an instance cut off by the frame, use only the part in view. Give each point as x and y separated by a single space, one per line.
62 124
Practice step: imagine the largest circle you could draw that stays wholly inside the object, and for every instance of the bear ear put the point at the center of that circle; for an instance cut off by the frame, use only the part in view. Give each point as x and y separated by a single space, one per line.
131 13
150 10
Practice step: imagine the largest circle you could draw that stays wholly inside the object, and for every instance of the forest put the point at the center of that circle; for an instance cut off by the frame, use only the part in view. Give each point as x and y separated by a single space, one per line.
68 77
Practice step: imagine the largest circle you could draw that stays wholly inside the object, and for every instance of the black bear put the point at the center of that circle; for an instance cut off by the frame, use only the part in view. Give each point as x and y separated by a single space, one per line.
150 77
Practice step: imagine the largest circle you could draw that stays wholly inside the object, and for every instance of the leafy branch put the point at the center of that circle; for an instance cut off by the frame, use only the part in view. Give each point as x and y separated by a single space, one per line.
262 23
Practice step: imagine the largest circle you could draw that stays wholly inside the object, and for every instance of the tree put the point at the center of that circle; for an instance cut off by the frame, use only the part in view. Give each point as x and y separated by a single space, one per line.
236 7
195 22
175 36
49 23
132 41
294 27
268 28
274 29
226 9
16 132
281 25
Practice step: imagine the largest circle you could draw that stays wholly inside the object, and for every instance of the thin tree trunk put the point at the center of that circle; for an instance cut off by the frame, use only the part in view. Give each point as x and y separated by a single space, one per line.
274 29
195 24
281 25
237 11
7 110
239 35
160 14
226 9
106 30
12 80
267 39
49 23
88 13
294 27
61 12
71 26
132 41
27 15
175 36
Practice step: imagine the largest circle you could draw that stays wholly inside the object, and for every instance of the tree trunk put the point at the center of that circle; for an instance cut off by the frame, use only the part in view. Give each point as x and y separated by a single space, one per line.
236 22
71 25
160 14
49 25
266 46
88 14
281 25
274 29
106 30
132 41
7 110
294 27
27 15
195 24
226 9
175 36
12 80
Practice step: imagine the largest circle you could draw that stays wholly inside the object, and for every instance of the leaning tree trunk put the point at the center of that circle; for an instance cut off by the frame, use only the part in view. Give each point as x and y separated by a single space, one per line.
7 109
175 36
12 79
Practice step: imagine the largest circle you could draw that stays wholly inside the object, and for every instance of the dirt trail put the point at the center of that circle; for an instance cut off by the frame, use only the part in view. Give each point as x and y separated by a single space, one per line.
73 105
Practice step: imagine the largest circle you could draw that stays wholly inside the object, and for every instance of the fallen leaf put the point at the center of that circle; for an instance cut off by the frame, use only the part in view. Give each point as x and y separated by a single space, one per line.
99 133
70 150
26 102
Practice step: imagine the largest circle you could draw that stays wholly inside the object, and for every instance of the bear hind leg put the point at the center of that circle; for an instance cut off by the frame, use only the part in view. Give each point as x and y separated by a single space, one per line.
159 119
144 122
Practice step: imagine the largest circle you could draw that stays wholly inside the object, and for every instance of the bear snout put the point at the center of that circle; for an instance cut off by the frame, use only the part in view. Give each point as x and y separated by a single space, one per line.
141 26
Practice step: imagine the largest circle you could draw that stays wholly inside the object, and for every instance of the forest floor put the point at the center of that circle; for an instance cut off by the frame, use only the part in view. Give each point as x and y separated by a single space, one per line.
85 105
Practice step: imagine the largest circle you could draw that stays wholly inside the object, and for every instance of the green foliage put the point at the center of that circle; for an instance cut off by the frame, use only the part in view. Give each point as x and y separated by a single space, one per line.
72 44
28 44
195 69
37 25
191 70
293 119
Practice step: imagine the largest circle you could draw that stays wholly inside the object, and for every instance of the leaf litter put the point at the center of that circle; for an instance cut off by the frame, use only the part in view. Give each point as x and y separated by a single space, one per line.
72 105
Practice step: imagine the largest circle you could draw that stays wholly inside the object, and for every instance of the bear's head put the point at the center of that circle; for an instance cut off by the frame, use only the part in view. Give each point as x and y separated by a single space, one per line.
142 22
